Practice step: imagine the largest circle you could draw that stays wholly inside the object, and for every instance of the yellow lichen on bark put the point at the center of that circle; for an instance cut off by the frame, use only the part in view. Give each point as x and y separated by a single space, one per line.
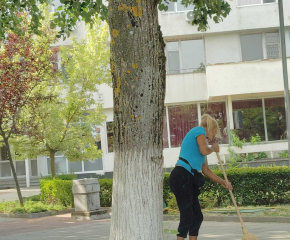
128 71
136 10
135 65
112 66
138 1
123 7
112 41
111 9
115 33
118 87
132 116
128 25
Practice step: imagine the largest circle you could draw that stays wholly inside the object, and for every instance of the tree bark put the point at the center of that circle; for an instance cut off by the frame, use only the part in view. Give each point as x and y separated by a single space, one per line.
138 72
13 172
52 162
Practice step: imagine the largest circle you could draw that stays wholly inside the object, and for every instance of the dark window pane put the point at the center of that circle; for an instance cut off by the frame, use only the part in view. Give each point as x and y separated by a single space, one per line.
3 154
110 136
181 7
165 132
269 1
181 120
74 166
60 165
275 118
93 165
192 55
20 168
218 111
5 170
252 117
173 57
251 47
171 6
34 171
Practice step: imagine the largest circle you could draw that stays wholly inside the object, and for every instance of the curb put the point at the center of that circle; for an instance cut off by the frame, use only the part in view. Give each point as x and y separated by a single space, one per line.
233 219
36 215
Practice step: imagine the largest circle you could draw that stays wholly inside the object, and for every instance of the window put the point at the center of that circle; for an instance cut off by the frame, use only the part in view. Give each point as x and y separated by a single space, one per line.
173 57
272 45
75 166
60 165
253 2
110 136
218 111
34 171
178 7
20 168
251 46
165 133
181 120
3 154
252 118
94 165
185 56
275 118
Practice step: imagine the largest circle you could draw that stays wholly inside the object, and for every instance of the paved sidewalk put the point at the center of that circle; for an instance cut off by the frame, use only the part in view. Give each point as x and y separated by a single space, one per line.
11 194
63 227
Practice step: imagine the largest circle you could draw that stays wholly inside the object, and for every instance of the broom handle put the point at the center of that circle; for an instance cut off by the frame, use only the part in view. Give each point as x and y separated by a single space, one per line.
231 193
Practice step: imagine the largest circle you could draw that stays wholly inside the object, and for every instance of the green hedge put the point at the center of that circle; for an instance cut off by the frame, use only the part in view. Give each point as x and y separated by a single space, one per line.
57 191
106 192
252 186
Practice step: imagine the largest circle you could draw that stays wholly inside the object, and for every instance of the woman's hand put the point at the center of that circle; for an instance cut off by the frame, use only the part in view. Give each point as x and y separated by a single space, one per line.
227 185
215 147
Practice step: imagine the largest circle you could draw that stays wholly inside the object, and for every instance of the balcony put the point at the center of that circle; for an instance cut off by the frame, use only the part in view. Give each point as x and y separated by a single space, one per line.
264 76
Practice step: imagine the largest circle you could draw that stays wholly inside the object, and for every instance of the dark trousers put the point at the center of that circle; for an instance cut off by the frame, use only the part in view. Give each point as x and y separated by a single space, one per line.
186 194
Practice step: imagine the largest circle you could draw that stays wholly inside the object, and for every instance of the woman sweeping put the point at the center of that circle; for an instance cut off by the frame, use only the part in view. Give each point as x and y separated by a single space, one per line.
185 178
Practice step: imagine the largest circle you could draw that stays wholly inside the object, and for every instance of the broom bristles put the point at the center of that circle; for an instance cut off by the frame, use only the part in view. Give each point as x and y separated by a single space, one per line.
249 236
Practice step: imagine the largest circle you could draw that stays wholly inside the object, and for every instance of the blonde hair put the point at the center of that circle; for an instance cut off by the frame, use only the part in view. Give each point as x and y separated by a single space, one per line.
209 122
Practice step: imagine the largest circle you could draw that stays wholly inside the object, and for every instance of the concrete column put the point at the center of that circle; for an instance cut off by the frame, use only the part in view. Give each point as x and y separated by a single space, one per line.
27 170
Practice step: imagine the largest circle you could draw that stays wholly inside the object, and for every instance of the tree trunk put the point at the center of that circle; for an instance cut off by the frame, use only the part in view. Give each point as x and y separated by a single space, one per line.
13 172
138 71
52 162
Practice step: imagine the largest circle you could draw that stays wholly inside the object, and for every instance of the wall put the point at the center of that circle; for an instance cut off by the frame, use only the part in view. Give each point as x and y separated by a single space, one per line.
245 78
240 18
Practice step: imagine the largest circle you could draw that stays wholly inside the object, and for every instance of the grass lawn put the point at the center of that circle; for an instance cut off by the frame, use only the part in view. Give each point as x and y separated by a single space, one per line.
31 205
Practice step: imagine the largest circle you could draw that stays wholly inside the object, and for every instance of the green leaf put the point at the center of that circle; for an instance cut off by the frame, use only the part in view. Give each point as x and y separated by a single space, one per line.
59 8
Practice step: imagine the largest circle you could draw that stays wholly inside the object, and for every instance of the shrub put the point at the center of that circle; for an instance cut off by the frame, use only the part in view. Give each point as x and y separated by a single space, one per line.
70 176
56 191
252 186
106 186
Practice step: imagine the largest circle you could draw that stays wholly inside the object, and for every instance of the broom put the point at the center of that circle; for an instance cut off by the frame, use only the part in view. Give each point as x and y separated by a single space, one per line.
247 235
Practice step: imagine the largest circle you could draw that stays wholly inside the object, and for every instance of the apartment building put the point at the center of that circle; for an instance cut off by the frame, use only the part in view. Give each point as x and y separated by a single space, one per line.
233 69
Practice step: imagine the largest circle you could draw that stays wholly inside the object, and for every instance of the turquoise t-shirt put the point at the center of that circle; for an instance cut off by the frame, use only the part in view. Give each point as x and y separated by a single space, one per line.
190 150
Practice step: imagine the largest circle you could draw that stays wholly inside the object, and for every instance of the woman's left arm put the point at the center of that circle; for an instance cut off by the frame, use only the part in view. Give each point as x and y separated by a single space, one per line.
212 176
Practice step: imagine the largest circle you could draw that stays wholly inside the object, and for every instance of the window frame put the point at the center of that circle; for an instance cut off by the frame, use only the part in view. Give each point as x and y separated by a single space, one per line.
180 55
263 45
175 10
259 4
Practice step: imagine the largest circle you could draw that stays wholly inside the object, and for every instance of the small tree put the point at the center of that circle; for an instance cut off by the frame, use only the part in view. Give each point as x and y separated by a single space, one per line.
65 123
24 65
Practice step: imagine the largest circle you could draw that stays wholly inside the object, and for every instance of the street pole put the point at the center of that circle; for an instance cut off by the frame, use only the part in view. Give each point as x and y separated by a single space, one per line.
285 71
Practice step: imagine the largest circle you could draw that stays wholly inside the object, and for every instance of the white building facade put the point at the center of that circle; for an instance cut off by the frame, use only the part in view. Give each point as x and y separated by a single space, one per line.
233 68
